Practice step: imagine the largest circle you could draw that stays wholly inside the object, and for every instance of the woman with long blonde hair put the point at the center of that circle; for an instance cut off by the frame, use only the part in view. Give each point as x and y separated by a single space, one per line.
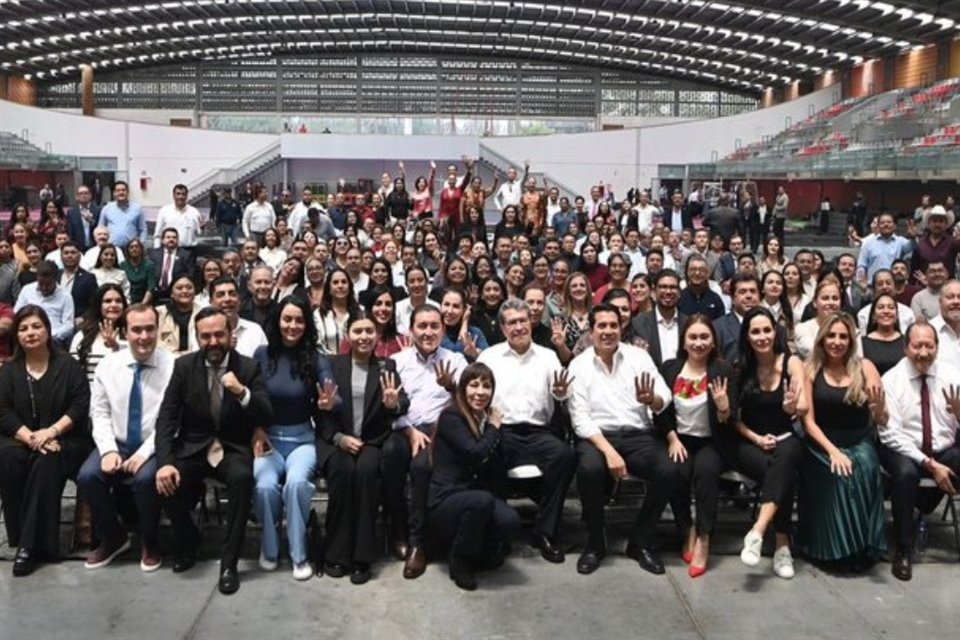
841 517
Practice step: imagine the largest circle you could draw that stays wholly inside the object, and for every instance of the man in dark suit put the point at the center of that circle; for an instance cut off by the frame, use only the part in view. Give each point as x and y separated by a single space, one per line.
170 262
81 284
745 289
659 329
677 217
213 403
83 218
723 219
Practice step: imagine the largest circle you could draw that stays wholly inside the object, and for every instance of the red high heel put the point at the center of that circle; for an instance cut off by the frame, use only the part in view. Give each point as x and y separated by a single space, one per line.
686 556
696 572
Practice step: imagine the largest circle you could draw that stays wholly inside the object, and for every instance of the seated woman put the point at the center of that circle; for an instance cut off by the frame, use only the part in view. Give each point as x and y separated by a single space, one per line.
774 297
764 446
336 304
28 274
175 325
349 450
285 454
459 335
827 300
841 517
107 270
703 387
462 505
140 271
380 309
455 274
491 294
44 437
102 329
882 342
381 275
289 280
210 270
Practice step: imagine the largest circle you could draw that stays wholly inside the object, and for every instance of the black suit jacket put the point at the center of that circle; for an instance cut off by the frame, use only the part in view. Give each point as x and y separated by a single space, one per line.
666 420
723 220
644 326
462 462
75 226
377 421
83 291
728 337
185 426
686 216
182 264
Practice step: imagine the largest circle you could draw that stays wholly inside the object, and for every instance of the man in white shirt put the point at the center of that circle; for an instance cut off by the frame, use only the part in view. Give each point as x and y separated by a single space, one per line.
430 374
247 336
511 190
616 389
947 324
645 213
298 214
53 299
919 437
258 216
180 216
529 378
125 399
354 269
60 239
101 237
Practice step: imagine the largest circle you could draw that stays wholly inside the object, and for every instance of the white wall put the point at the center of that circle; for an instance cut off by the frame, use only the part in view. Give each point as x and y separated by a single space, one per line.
630 157
387 147
144 116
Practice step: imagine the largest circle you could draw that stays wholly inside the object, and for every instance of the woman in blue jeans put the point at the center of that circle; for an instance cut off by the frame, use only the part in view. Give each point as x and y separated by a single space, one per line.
299 381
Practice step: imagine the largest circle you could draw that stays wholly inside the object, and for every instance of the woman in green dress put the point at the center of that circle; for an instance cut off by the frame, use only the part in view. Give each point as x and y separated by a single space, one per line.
841 518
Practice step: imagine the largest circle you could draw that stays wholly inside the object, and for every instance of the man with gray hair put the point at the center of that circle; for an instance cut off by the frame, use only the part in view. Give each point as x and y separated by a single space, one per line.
529 379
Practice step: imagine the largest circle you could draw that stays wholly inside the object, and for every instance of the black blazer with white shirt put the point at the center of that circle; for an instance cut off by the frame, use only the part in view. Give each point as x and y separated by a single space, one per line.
666 420
644 326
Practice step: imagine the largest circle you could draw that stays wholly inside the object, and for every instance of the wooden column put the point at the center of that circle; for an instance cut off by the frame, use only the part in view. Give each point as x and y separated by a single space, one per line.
86 89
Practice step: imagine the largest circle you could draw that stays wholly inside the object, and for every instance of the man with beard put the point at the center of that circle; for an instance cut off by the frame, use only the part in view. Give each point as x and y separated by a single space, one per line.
659 329
901 276
214 402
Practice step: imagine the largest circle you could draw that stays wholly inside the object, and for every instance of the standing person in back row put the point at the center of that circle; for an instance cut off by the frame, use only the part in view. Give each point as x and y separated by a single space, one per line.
180 216
258 216
123 218
780 210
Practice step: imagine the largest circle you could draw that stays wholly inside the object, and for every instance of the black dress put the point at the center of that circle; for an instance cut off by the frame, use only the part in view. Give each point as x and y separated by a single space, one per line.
883 353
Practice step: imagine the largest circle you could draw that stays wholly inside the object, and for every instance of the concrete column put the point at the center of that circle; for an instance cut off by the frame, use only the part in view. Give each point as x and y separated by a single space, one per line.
86 89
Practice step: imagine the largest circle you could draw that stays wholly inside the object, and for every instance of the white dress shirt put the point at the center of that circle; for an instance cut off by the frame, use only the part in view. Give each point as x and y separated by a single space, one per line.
508 193
257 218
90 256
186 221
524 391
110 399
949 349
669 334
904 315
904 430
606 400
419 379
298 215
273 258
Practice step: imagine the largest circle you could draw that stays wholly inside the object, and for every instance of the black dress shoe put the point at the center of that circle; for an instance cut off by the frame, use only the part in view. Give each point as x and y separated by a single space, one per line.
548 550
902 567
461 572
23 563
334 569
184 561
647 558
589 561
400 550
360 573
229 580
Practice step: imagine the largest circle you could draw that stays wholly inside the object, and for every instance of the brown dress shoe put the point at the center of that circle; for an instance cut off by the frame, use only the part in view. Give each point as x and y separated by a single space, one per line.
416 563
901 567
400 550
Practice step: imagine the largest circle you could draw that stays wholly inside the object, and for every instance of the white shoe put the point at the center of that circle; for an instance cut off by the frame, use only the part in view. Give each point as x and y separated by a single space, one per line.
302 571
266 564
752 543
783 563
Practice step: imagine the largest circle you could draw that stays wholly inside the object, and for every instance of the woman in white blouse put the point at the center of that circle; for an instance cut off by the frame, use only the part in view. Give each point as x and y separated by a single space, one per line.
107 270
335 307
271 253
796 296
102 329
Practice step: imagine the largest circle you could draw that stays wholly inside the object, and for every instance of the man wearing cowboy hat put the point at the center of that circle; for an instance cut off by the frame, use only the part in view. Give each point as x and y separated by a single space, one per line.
936 244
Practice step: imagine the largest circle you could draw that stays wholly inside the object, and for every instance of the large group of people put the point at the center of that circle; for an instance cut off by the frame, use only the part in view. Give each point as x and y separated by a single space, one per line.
392 350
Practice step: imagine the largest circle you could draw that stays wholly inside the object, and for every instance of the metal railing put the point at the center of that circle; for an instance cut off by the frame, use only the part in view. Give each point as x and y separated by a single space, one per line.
232 175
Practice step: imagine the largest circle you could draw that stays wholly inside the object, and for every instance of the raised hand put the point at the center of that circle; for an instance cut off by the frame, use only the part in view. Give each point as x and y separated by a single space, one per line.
400 165
108 332
718 389
444 371
326 395
790 397
952 399
405 341
390 387
469 344
877 402
558 332
433 165
495 418
561 383
643 387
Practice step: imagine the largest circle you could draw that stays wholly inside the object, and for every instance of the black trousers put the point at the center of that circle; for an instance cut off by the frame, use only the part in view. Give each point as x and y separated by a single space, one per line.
776 472
474 523
905 494
235 471
701 472
31 486
755 233
778 224
354 484
645 454
395 465
532 444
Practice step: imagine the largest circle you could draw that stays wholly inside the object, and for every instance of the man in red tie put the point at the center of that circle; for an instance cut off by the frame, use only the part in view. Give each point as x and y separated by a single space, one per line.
170 262
919 437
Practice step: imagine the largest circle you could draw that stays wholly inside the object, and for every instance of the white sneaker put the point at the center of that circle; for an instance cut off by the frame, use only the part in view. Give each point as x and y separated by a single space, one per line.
302 571
266 564
783 563
752 544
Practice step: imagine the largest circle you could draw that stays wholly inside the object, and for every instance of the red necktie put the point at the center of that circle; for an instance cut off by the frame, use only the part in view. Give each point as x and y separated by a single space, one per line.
165 277
927 443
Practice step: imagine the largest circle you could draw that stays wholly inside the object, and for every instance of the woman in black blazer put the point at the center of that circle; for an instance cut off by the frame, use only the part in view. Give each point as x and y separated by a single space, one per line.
349 448
703 387
462 507
44 437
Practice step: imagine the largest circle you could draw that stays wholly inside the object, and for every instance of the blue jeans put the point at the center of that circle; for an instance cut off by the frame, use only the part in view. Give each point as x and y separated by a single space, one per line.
96 488
229 232
285 477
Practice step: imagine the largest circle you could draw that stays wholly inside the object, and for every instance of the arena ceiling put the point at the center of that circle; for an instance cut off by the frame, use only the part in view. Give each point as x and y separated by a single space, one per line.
742 45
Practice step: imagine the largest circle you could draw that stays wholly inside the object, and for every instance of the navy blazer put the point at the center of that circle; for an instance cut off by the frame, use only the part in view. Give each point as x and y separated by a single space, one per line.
184 424
75 226
644 326
728 337
83 292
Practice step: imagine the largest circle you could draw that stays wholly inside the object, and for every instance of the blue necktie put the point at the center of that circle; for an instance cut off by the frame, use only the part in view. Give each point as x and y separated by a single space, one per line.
135 411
